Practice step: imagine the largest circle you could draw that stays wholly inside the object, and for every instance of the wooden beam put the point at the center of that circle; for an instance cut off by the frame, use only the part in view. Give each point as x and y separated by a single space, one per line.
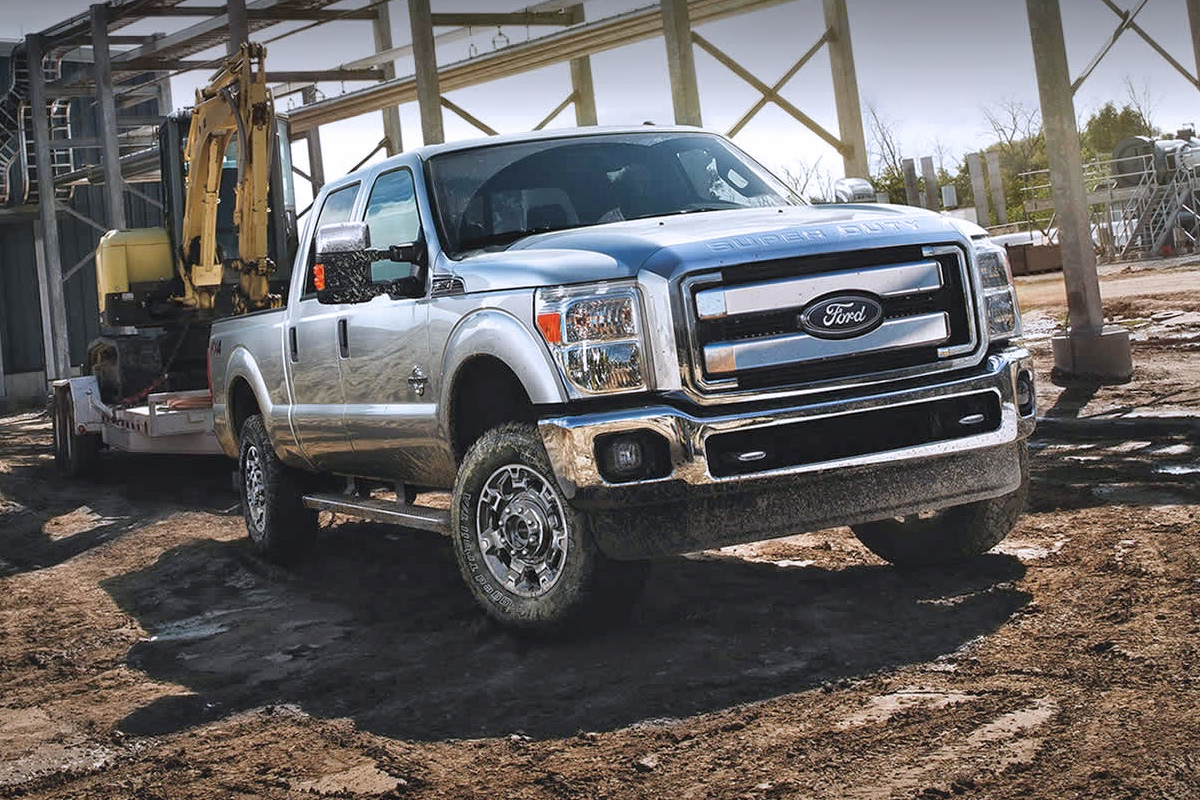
316 75
485 20
681 61
779 84
767 91
469 117
261 14
428 82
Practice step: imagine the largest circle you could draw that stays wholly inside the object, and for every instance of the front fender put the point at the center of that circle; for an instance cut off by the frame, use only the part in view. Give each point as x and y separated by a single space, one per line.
497 333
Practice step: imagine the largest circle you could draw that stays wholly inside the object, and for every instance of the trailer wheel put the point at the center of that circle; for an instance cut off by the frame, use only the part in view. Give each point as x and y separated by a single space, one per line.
949 535
75 454
280 527
527 556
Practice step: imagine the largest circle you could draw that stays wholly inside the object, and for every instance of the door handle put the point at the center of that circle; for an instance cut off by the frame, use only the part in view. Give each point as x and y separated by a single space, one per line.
293 345
344 337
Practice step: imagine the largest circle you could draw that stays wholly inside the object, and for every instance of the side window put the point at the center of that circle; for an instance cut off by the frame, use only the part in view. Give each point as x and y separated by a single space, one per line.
393 219
337 207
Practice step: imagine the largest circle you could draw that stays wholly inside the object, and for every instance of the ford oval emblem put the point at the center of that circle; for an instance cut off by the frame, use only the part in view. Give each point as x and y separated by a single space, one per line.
842 316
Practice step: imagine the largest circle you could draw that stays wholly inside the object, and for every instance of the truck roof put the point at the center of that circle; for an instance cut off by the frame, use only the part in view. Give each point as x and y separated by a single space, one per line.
429 151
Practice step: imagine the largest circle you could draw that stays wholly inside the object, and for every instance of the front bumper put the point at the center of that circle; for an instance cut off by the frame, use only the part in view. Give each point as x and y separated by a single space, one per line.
696 506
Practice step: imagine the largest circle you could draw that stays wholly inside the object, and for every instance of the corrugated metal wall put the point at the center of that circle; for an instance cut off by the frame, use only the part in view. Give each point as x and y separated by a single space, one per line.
20 309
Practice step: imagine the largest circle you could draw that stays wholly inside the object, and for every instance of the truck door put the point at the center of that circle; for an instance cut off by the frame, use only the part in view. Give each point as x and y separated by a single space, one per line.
311 340
386 365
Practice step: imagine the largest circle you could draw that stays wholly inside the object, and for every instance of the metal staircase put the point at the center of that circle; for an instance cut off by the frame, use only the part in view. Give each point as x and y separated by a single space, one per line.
1159 207
18 161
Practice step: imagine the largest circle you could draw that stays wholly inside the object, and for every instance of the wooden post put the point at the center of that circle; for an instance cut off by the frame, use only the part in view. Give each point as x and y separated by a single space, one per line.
1088 348
681 61
429 95
582 85
110 150
845 91
381 26
46 243
239 30
316 160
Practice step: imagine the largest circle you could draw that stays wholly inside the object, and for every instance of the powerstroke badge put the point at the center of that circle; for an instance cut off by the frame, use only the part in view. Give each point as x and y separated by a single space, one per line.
841 316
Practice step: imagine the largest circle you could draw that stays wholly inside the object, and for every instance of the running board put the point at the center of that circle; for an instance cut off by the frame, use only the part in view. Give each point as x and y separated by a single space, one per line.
369 508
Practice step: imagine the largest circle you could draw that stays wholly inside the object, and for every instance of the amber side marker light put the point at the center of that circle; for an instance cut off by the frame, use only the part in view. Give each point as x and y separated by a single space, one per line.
551 327
319 277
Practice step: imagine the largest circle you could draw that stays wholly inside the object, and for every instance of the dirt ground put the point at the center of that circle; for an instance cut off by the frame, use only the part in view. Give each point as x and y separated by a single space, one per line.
145 653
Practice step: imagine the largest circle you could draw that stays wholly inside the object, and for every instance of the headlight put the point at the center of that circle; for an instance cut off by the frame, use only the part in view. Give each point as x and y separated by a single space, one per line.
999 296
595 334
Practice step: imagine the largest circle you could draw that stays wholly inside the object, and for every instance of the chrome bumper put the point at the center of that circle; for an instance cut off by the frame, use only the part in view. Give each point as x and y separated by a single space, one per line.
692 508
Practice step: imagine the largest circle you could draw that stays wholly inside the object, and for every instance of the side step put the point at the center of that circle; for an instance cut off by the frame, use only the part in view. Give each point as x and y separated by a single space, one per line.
369 508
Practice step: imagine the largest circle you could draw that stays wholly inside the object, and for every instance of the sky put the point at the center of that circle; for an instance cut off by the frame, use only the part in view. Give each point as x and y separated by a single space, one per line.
930 69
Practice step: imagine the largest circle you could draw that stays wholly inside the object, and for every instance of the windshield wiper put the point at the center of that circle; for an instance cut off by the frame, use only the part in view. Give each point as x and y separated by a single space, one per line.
508 237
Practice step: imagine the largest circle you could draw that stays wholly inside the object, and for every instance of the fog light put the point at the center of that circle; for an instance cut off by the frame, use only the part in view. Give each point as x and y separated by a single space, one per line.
632 456
1026 397
627 456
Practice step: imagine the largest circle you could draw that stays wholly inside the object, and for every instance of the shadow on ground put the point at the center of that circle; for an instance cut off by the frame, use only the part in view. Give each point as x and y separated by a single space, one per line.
46 518
379 628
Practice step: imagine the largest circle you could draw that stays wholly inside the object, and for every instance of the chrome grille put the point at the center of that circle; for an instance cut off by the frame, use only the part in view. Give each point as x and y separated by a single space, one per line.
746 333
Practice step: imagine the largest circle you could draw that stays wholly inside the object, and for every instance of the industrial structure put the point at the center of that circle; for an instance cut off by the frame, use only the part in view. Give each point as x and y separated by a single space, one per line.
81 97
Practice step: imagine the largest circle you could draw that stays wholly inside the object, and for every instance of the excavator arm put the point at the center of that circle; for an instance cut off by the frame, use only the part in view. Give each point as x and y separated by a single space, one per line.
235 106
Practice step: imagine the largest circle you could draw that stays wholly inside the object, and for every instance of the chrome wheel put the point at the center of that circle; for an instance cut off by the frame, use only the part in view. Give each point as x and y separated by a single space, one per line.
256 489
522 531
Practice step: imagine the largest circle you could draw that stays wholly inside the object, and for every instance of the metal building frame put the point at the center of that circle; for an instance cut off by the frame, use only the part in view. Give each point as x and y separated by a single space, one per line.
127 69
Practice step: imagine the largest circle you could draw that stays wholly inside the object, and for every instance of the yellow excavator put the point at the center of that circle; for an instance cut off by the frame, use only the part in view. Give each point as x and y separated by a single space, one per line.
229 220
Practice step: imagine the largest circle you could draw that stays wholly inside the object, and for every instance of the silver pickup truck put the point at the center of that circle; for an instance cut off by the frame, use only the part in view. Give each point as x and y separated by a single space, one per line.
618 344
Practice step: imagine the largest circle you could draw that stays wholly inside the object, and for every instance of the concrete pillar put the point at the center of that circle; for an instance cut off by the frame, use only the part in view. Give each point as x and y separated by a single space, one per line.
911 194
46 243
581 80
1088 348
681 62
979 189
933 199
110 150
429 95
382 28
239 30
845 91
996 179
316 160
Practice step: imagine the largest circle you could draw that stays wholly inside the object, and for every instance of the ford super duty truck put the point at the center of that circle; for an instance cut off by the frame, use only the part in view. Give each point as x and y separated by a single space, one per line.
613 345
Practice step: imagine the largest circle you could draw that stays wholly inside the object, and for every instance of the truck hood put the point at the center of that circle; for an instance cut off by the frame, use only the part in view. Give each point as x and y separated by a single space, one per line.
669 246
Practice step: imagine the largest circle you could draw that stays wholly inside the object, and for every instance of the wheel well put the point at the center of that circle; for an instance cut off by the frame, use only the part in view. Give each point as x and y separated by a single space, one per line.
242 404
485 393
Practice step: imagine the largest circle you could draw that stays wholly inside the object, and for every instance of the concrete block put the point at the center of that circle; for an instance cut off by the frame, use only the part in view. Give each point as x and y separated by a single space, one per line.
1105 357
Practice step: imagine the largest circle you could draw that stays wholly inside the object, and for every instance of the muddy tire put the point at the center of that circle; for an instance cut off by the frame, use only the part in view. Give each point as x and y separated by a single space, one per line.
949 535
526 555
280 527
75 454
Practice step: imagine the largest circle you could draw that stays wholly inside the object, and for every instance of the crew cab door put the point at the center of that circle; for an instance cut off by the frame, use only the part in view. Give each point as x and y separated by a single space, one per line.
312 356
387 371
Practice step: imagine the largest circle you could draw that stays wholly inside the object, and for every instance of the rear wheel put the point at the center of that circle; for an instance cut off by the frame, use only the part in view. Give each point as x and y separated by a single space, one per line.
75 454
527 556
280 526
950 534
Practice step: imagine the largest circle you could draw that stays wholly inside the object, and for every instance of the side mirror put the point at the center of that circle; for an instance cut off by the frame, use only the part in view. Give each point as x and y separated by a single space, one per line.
343 272
853 190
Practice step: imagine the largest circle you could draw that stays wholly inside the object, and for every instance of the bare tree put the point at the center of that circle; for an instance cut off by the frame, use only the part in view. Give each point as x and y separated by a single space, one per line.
1018 131
887 151
809 180
1143 102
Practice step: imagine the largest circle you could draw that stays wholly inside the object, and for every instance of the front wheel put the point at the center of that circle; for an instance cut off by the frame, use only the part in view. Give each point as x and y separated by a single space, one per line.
526 554
280 526
949 535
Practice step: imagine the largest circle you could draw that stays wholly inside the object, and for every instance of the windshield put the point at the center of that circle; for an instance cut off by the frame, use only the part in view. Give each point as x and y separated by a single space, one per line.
488 197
